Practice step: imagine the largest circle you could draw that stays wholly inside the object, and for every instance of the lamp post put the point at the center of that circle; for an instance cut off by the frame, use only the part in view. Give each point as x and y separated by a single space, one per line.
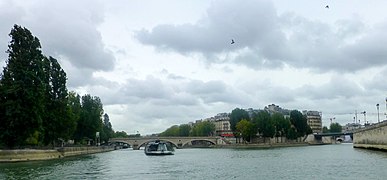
377 107
364 112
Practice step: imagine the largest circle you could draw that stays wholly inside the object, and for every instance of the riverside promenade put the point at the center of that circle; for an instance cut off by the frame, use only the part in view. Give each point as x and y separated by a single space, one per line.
20 155
371 137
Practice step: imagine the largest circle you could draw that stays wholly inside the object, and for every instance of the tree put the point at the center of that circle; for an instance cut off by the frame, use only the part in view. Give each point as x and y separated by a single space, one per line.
120 134
299 122
264 124
90 121
58 123
74 105
184 130
281 124
22 89
292 133
204 128
335 128
236 116
325 129
171 131
246 129
107 130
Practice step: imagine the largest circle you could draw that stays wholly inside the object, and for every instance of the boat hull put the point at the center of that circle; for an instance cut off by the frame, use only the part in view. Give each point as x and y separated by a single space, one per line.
158 148
156 153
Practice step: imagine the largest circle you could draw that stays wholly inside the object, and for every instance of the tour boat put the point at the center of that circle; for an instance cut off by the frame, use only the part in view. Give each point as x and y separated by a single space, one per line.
158 147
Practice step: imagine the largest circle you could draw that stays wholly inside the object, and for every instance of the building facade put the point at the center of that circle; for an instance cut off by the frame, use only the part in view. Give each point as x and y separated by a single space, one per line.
222 124
314 120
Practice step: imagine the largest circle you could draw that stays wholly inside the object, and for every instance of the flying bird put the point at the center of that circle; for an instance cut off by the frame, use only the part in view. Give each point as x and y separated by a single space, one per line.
327 6
232 41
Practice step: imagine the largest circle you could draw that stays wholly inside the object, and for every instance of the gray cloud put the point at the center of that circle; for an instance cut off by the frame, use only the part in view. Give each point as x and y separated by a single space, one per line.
8 17
67 30
170 92
377 83
265 39
337 87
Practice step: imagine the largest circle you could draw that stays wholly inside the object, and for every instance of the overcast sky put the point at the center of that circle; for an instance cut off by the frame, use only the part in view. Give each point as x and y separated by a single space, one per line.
155 63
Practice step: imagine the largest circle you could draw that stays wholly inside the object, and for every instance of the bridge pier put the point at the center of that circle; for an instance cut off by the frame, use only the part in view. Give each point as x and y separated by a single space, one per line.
136 147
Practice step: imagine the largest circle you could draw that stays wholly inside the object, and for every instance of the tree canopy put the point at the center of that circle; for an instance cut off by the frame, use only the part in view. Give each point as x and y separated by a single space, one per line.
204 128
236 116
265 124
300 123
246 129
36 108
335 128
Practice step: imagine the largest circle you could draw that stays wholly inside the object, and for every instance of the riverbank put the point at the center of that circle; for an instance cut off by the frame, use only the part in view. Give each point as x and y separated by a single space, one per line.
262 145
21 155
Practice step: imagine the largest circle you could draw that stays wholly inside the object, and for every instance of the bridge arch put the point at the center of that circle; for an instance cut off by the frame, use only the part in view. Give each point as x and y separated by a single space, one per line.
146 142
122 141
202 140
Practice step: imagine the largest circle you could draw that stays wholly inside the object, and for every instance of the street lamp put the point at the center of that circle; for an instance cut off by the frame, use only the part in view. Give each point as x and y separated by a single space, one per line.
332 119
364 112
386 108
377 107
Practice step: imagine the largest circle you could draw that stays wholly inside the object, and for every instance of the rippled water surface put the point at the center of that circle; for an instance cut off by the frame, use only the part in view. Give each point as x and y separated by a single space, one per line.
309 162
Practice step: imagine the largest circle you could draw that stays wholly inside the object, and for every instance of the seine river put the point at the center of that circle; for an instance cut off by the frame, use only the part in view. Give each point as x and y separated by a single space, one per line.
307 162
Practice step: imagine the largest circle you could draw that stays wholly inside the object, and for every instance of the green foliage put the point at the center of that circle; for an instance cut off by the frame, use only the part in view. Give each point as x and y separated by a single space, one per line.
299 122
265 124
172 131
292 134
246 129
184 130
120 134
22 92
335 128
107 130
58 123
90 120
325 129
33 139
35 106
236 116
281 124
204 128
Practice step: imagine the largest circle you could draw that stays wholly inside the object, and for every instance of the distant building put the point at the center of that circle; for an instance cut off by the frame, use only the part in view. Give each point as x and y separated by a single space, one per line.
350 127
272 108
252 111
222 124
314 120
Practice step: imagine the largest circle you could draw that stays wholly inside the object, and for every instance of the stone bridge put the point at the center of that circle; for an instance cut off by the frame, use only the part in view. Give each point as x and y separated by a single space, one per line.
178 142
371 137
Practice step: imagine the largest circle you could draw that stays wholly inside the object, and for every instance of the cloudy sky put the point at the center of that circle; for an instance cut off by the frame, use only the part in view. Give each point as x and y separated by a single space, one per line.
156 63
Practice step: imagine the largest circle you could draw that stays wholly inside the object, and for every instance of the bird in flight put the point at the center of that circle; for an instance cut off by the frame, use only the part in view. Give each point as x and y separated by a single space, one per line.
232 41
327 6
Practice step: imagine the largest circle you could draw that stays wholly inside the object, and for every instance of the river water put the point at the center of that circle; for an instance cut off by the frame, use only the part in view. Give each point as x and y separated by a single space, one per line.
308 162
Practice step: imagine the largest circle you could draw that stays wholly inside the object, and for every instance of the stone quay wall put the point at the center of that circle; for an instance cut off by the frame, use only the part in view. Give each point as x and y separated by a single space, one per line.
371 137
21 155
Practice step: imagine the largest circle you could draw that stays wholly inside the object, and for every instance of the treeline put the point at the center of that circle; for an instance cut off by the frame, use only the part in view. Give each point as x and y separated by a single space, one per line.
246 126
268 125
333 128
203 128
36 108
